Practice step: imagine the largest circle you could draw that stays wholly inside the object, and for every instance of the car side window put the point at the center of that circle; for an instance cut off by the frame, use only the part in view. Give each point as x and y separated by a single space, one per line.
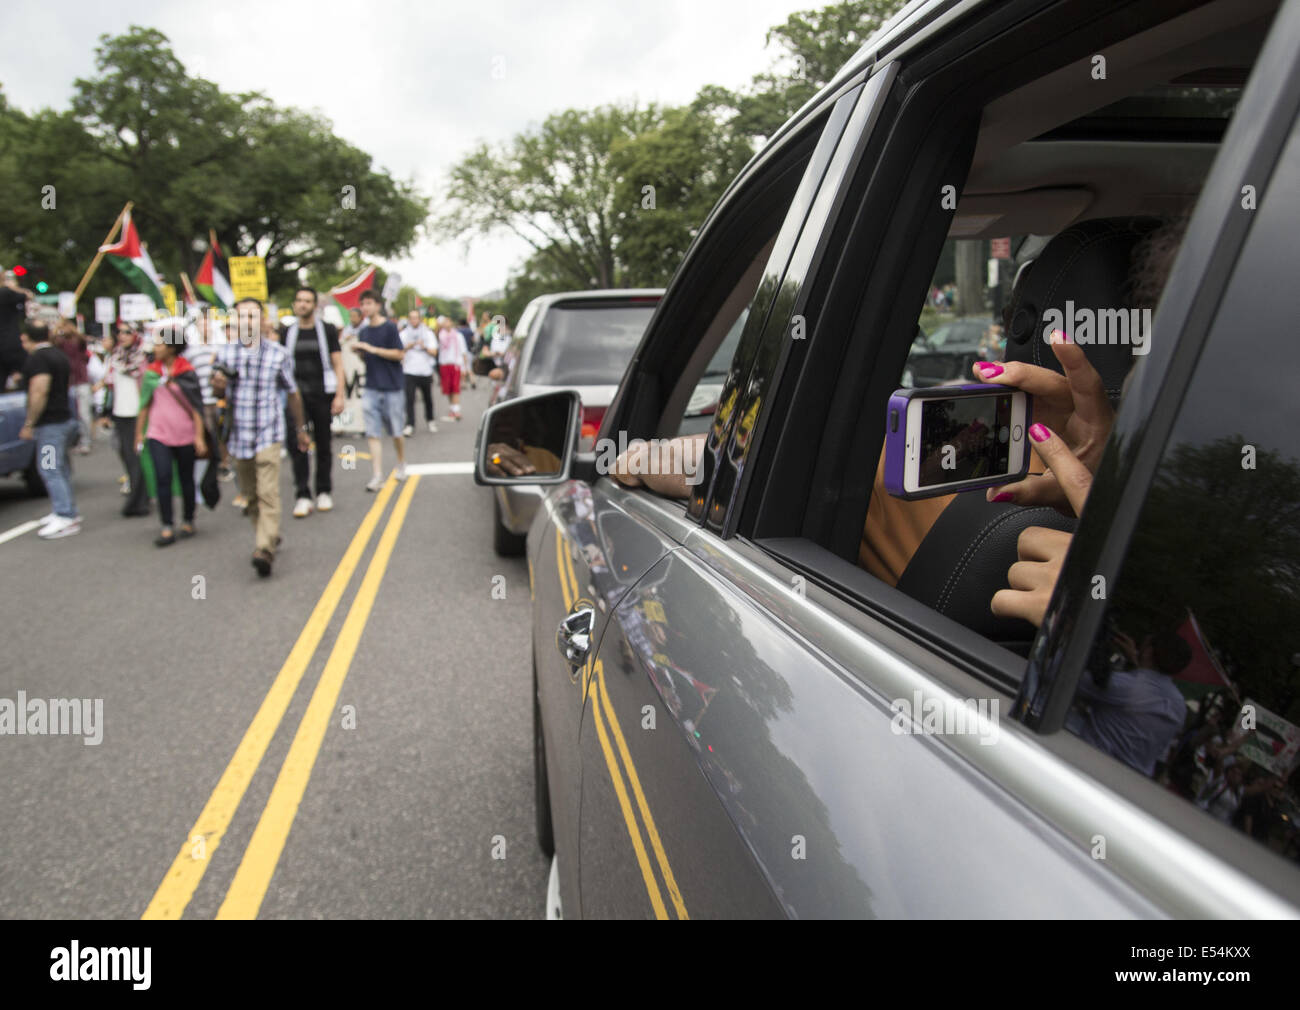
1195 677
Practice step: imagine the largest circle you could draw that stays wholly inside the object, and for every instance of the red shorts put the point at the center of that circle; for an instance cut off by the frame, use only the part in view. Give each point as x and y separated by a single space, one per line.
450 376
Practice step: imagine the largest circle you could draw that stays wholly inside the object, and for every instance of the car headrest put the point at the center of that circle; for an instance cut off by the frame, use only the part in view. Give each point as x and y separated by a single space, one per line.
1088 265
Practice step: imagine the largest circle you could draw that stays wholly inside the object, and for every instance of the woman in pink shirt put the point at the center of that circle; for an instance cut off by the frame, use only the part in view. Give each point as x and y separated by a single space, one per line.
171 415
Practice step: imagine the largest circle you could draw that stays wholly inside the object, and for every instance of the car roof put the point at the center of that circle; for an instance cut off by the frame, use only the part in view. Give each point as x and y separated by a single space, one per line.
597 295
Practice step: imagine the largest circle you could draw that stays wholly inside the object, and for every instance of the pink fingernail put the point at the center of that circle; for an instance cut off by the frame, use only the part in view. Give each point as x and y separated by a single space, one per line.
1004 496
1060 337
988 369
1039 433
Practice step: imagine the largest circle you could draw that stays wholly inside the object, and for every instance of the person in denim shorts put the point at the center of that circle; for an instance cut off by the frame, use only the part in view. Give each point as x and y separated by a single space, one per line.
383 404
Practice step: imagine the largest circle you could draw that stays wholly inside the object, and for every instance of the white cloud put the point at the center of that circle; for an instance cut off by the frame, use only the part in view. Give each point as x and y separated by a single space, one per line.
412 83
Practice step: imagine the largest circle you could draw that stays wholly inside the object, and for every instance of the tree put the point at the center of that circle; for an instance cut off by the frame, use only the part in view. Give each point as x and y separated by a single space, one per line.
669 178
815 44
605 198
270 181
554 188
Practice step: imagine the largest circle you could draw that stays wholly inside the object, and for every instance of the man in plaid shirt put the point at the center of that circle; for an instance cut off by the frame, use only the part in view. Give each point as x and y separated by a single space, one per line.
260 369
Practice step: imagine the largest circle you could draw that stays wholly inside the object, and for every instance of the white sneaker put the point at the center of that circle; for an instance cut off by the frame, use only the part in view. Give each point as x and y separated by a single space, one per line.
60 527
375 484
408 431
48 518
324 502
400 471
433 426
302 508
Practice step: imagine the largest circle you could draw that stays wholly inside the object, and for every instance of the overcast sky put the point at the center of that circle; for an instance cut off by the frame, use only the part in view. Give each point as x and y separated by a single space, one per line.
413 83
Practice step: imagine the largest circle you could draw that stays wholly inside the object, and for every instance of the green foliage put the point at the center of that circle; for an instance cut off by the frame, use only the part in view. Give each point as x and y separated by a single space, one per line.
1224 543
553 187
613 196
269 180
815 44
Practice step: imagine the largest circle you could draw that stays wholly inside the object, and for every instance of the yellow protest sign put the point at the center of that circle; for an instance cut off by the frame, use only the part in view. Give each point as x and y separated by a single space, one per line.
169 298
248 277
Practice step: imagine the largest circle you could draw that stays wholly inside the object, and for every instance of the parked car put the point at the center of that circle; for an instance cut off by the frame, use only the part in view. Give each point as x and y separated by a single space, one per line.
740 710
580 340
17 455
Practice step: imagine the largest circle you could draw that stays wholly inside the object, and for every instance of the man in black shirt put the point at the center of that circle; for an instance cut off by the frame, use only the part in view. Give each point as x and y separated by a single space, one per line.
13 313
50 422
313 347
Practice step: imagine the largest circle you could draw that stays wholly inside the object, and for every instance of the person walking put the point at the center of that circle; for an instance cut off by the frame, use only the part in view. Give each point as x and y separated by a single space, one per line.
170 428
50 423
13 313
381 349
74 346
453 359
250 372
125 368
317 359
417 367
471 349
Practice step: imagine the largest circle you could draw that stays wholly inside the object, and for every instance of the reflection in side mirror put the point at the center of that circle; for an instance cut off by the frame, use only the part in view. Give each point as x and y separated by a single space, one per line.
529 440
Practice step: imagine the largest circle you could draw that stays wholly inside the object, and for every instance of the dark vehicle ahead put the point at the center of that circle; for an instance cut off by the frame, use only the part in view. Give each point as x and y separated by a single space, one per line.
946 353
749 702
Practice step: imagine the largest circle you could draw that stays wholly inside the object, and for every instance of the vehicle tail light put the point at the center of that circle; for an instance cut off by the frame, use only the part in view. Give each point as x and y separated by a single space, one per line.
591 418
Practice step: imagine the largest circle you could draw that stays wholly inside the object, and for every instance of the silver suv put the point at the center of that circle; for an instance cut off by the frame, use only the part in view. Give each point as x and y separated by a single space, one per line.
787 693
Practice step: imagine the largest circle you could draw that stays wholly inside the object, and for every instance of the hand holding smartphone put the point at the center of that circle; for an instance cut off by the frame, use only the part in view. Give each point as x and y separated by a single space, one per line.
945 439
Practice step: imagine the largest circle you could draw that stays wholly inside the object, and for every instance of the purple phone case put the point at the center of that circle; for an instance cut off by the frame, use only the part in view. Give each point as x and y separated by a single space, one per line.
896 438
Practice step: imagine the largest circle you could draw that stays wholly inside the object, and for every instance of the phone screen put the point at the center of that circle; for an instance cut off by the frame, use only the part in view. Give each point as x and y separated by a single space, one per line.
964 438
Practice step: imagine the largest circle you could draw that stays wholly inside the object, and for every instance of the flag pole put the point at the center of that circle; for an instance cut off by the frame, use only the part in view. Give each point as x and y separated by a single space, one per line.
94 264
349 279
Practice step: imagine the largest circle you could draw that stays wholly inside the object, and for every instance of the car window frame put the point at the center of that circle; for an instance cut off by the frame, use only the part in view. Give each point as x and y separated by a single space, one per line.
1216 234
638 405
1015 45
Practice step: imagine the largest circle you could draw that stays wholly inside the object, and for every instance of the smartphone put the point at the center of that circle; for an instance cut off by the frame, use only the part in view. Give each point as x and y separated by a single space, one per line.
944 439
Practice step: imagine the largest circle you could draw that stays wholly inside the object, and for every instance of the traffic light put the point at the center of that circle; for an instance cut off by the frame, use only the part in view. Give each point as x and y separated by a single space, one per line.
42 287
20 271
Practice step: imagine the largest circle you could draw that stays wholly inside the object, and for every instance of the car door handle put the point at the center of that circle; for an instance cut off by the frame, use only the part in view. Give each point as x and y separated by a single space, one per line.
573 637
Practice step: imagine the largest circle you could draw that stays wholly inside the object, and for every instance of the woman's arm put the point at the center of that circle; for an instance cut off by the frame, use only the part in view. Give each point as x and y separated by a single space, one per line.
200 442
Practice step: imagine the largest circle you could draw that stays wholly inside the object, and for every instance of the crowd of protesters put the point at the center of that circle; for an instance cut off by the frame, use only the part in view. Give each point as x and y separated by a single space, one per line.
188 404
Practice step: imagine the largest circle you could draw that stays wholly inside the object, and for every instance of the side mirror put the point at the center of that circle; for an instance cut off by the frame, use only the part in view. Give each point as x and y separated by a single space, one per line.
528 440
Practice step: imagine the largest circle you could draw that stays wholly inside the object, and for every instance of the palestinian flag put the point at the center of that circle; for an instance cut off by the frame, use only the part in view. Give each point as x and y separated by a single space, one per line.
129 256
1203 673
347 296
213 279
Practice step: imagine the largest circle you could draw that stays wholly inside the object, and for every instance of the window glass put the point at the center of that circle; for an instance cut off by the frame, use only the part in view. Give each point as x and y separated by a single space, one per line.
588 344
704 398
961 321
1196 678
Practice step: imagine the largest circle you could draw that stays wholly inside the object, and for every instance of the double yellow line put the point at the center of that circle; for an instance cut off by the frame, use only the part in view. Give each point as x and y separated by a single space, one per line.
593 685
263 853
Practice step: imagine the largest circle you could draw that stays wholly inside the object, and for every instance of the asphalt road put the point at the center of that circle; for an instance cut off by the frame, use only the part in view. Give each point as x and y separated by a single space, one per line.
408 786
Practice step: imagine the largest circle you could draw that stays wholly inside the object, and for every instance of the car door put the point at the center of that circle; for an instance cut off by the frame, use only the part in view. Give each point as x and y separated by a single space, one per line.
667 824
577 582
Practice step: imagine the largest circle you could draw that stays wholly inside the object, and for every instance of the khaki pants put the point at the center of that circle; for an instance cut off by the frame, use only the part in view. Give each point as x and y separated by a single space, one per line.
259 482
